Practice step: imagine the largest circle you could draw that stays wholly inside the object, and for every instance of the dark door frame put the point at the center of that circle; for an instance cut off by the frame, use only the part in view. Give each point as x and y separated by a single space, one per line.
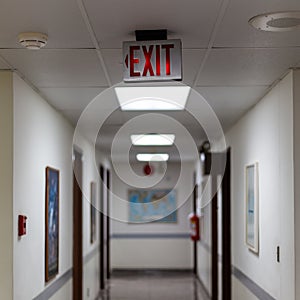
226 229
108 224
195 243
101 230
224 159
214 240
77 227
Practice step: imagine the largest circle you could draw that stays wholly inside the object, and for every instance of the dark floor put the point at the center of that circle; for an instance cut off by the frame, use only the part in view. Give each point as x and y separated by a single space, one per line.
150 285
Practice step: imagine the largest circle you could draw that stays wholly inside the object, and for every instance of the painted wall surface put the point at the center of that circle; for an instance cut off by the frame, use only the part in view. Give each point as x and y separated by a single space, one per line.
264 135
6 185
297 176
144 252
43 137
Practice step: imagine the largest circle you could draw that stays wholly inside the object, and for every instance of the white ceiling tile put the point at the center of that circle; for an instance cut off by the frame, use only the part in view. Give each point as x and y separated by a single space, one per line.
183 117
190 20
72 115
240 67
70 98
191 61
113 59
236 32
58 68
61 20
115 118
230 103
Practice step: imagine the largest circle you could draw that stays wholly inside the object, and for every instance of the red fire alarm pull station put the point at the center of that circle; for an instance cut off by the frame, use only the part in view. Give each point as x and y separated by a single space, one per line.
22 225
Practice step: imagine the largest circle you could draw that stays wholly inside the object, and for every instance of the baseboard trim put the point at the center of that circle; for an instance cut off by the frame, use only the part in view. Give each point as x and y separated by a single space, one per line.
150 236
203 287
55 286
149 271
255 289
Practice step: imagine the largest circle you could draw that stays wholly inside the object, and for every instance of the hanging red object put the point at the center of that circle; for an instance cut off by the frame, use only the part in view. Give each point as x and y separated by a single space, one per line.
148 170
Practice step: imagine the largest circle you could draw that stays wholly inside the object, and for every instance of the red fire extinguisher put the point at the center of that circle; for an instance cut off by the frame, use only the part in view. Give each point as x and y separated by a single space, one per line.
194 227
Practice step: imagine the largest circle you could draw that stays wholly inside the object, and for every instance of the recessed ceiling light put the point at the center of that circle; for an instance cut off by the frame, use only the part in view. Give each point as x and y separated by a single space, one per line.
152 98
152 157
33 40
152 139
277 22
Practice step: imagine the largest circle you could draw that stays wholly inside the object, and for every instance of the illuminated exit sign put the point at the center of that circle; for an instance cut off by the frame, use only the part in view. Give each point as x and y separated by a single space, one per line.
152 60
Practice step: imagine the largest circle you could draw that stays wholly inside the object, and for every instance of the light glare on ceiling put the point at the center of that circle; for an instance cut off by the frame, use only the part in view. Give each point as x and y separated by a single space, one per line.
152 98
152 139
152 157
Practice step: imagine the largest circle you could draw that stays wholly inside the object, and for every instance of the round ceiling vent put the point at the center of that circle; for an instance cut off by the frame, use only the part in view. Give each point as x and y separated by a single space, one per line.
32 40
277 22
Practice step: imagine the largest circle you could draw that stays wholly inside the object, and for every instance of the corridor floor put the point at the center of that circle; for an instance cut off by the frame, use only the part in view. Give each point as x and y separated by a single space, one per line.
153 285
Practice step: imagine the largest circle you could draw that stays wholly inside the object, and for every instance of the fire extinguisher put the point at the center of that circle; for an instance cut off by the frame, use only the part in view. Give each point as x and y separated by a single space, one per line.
194 227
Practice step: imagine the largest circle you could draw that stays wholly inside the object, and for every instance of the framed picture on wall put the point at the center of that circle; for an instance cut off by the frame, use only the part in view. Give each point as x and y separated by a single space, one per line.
159 205
52 224
252 207
93 212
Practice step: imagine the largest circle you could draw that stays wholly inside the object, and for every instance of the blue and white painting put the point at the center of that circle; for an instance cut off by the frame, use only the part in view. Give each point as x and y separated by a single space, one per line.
52 225
157 205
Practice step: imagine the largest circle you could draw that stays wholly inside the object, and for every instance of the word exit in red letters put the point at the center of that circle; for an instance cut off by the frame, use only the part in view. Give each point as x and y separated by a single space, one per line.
155 60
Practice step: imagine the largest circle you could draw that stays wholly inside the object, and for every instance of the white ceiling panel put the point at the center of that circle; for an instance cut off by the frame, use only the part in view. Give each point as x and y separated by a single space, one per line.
242 67
72 115
116 118
70 98
182 117
61 20
191 61
113 59
115 21
235 31
231 103
58 68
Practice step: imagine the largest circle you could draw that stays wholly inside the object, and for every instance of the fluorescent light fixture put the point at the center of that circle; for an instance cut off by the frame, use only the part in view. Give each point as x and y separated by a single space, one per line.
152 156
153 98
152 139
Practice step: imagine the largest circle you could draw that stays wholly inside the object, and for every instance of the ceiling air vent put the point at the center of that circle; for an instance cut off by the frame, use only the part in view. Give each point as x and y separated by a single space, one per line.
277 22
32 40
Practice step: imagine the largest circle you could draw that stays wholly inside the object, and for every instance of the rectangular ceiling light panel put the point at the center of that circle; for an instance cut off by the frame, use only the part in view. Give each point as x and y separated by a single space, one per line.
152 139
152 98
152 156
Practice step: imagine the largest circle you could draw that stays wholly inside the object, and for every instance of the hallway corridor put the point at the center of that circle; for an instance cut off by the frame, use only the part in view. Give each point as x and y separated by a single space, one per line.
154 285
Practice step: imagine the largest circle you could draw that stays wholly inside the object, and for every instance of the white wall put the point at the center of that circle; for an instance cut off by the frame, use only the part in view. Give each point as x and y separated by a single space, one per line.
264 135
43 137
168 253
6 185
297 175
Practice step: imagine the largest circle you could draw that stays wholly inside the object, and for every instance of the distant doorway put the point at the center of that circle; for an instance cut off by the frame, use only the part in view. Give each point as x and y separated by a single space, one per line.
102 229
107 224
77 227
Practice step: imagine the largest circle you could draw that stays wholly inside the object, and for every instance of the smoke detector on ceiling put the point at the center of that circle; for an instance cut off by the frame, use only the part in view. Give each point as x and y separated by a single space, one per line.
32 40
277 22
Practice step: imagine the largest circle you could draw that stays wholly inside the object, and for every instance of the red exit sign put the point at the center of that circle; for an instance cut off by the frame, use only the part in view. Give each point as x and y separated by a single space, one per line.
152 60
